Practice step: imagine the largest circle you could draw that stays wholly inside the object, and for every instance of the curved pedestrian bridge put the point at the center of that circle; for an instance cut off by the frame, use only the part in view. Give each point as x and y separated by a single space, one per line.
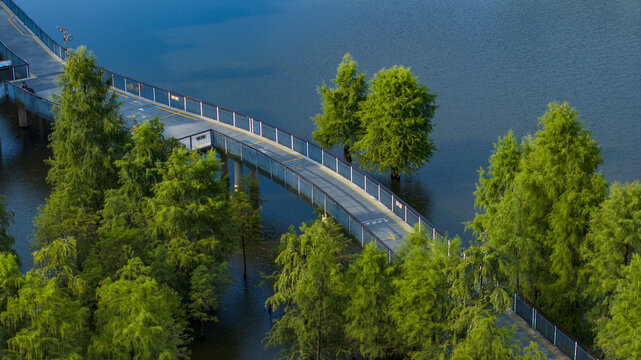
367 209
364 207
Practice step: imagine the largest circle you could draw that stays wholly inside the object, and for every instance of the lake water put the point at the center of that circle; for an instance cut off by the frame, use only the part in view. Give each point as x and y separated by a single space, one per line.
494 65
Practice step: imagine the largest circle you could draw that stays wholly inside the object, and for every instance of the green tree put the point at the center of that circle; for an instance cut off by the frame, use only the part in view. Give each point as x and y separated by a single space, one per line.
615 234
396 118
540 221
6 219
88 136
560 176
191 204
339 122
618 332
307 286
485 340
421 304
206 283
137 318
11 280
248 222
45 318
369 290
495 181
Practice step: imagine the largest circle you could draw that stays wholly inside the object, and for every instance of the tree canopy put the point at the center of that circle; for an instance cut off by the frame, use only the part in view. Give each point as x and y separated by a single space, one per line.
339 122
396 118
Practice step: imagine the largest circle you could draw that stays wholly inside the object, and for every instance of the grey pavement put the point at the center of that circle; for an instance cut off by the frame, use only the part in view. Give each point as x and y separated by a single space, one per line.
384 224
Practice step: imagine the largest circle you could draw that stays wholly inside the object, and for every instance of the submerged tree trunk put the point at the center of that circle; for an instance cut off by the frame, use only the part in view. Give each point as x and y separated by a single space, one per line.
347 155
396 174
244 259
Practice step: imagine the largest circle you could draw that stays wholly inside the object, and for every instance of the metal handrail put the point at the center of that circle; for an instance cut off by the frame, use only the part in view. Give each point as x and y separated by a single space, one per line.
385 247
380 189
58 49
29 93
136 89
6 48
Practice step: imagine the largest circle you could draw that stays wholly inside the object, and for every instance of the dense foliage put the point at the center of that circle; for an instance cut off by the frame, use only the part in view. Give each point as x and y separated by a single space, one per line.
388 127
415 308
556 235
131 244
339 123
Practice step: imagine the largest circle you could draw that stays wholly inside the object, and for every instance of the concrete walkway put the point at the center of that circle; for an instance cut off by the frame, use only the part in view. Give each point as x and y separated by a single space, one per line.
384 224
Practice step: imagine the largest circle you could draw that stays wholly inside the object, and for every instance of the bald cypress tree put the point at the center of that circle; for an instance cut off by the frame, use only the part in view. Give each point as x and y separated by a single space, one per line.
339 123
397 120
88 137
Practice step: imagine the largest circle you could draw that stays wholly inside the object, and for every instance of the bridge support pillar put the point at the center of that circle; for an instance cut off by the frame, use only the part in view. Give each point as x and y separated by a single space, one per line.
238 174
22 115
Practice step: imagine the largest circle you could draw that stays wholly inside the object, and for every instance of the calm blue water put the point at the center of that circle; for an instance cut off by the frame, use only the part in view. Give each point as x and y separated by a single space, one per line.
494 65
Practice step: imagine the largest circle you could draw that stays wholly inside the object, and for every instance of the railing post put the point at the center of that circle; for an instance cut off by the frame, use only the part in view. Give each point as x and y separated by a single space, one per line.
169 98
337 165
362 236
554 335
292 141
260 128
379 193
124 79
324 205
322 157
433 233
185 102
514 298
393 204
139 91
533 318
405 213
251 124
217 114
307 151
365 181
276 131
154 91
201 109
298 177
575 346
419 223
233 121
13 71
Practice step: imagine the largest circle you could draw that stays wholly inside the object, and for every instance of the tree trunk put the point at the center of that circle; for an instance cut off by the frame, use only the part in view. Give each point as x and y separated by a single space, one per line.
244 259
347 156
396 174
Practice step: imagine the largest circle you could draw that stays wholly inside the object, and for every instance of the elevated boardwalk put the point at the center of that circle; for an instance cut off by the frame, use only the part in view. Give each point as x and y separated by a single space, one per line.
368 210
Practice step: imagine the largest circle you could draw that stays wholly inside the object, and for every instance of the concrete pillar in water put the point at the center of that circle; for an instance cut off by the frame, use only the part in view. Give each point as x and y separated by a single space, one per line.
22 115
238 173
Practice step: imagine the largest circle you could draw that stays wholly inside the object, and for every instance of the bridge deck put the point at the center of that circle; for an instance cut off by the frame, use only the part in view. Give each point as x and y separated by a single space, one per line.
381 221
385 225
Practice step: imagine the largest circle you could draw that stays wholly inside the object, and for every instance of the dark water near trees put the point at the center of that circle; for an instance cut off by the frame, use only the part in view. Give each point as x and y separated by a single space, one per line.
494 64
